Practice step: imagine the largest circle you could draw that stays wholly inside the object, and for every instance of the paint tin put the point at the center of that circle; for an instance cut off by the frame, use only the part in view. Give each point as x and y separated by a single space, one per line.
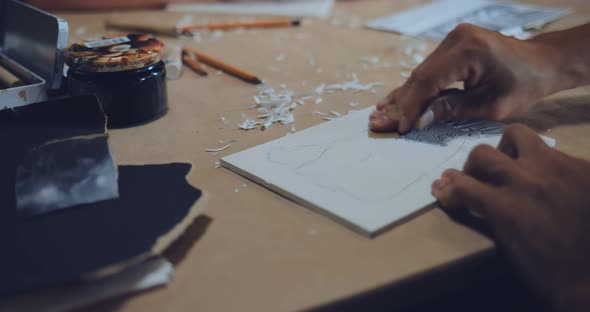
125 72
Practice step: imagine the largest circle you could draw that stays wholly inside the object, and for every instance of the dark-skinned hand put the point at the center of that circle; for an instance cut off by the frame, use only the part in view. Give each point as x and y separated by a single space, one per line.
503 78
537 202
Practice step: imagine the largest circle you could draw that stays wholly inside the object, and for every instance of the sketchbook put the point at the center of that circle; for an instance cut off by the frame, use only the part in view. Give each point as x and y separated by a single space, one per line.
367 182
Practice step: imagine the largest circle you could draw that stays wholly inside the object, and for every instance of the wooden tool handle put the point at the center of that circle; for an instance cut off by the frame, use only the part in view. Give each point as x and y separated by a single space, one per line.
142 27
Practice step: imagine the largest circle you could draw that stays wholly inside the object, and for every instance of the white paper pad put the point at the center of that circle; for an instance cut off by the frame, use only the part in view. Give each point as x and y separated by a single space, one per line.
300 8
338 169
436 20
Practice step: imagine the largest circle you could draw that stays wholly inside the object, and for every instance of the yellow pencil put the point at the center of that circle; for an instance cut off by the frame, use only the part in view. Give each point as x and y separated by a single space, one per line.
227 26
194 65
228 69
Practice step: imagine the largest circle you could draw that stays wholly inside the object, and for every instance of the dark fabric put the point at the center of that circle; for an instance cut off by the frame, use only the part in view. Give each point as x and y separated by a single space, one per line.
61 246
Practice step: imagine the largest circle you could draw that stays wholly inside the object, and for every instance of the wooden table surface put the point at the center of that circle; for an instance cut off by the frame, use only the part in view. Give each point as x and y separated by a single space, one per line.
262 252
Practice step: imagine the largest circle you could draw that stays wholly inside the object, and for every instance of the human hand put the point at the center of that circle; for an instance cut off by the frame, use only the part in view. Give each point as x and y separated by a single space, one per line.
537 202
503 77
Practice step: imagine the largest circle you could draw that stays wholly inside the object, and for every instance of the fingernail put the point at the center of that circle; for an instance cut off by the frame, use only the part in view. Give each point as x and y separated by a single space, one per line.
450 173
441 183
375 122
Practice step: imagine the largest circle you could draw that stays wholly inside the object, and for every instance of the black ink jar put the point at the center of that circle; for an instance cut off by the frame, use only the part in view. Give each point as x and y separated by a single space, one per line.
125 72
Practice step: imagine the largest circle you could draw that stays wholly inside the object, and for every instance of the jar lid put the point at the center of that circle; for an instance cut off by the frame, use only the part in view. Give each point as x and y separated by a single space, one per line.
114 53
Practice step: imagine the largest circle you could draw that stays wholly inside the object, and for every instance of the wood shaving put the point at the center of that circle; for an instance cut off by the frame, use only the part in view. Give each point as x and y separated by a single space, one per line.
215 150
354 85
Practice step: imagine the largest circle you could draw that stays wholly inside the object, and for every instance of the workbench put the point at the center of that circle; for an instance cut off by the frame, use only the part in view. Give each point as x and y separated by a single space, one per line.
258 251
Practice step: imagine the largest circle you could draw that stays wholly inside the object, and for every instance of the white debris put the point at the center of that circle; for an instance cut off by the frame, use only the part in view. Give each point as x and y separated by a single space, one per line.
371 59
218 72
274 107
215 150
354 104
224 122
373 91
354 85
283 86
328 118
319 113
405 74
280 58
217 34
236 190
305 98
320 89
335 113
311 61
417 58
293 128
81 30
319 100
312 232
405 65
249 124
408 51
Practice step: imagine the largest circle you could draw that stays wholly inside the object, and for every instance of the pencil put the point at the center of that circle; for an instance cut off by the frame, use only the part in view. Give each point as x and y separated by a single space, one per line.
194 65
227 26
228 69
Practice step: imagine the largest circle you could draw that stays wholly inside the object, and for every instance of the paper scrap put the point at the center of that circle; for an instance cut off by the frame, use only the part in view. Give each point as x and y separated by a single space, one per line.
66 173
437 19
300 8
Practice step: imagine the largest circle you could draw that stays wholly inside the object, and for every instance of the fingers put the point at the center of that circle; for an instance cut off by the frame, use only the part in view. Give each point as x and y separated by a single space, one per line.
381 121
519 140
489 165
456 190
389 99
